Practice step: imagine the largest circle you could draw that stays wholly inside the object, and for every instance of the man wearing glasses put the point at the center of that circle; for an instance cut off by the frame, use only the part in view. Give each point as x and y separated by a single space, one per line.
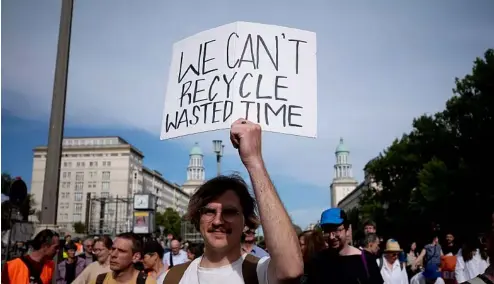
222 207
341 262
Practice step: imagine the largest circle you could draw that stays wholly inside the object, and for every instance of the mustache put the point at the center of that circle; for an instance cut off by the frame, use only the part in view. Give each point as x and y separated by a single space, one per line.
220 229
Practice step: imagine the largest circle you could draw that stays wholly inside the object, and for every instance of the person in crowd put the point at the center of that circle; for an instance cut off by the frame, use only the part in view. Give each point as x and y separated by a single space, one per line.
369 227
412 266
175 256
341 263
153 261
38 266
126 250
391 269
87 254
194 251
470 261
249 242
431 253
430 275
101 250
371 245
450 248
222 207
488 276
71 267
311 243
68 240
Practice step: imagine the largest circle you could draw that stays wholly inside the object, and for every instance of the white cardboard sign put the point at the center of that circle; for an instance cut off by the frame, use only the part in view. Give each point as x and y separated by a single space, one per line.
266 74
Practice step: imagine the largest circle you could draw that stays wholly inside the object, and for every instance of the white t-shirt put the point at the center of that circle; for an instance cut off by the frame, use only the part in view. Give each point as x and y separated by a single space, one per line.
179 258
228 274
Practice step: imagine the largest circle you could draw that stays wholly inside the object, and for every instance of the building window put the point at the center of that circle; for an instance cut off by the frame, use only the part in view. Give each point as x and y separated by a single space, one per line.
105 186
79 186
105 194
77 217
106 175
93 174
79 176
91 184
78 196
78 207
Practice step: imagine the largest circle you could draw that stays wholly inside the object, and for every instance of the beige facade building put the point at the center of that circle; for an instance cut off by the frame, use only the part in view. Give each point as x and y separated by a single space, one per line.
343 181
353 198
111 170
196 174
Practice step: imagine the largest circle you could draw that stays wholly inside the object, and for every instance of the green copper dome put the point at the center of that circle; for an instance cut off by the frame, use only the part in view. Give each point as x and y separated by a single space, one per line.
342 147
196 150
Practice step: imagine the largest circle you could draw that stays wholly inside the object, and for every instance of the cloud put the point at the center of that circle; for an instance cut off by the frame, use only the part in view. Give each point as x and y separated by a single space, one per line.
378 67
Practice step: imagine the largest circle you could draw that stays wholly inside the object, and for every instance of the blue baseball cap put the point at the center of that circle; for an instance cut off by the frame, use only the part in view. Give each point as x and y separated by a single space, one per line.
333 216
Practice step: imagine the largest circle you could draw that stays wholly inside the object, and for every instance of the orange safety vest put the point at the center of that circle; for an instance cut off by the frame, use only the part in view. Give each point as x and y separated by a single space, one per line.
19 273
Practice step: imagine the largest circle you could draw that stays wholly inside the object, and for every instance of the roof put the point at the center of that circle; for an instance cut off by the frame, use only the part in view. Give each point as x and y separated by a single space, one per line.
196 150
342 148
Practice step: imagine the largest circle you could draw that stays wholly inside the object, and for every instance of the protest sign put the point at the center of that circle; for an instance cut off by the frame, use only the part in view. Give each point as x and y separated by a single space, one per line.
266 74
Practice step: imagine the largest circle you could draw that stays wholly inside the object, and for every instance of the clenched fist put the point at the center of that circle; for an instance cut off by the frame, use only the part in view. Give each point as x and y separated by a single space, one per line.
246 137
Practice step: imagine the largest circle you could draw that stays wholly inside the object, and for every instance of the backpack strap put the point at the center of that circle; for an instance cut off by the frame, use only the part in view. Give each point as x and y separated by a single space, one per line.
174 275
34 275
249 269
101 278
171 260
364 261
141 278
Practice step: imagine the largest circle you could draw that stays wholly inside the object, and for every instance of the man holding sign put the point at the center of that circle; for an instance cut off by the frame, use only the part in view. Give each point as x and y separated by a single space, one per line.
223 206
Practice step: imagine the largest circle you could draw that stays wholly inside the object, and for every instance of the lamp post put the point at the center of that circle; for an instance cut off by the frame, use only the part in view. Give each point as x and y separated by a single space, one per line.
218 149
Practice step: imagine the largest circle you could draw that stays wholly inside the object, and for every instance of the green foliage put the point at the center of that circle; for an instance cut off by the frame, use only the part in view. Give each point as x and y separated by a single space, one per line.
6 183
436 173
79 227
170 220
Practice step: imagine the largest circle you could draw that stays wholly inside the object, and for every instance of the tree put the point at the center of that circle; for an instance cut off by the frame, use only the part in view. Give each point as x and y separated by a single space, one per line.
79 227
435 174
170 220
6 183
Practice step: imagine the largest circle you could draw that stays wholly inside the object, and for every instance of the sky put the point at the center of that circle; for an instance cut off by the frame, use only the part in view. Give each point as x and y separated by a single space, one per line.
379 65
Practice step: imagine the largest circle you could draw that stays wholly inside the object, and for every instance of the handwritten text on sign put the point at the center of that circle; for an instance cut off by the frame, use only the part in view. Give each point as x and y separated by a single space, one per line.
266 74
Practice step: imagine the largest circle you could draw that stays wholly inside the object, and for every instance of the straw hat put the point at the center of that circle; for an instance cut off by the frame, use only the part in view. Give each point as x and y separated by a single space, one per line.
392 246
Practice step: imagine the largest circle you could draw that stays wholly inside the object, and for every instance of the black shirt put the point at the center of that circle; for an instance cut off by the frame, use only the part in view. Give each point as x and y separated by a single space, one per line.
450 249
70 271
329 267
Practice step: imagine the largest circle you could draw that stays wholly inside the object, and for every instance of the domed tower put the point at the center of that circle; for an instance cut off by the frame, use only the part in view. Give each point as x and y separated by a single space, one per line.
196 174
343 181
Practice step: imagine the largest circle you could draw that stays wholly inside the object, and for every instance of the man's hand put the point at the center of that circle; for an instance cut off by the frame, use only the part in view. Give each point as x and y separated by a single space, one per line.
246 137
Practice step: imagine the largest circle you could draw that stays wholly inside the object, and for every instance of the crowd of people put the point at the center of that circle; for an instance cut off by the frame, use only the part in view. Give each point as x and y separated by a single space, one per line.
227 215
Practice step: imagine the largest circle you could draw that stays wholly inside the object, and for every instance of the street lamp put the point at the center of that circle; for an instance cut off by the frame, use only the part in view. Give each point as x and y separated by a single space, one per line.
218 149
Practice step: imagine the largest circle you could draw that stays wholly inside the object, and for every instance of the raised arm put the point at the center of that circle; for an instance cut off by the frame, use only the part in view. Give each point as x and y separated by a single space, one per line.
286 257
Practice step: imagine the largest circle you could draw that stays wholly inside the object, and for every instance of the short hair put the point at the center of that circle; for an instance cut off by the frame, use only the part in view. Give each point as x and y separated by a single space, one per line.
216 187
370 238
43 238
196 249
153 247
105 240
135 239
370 223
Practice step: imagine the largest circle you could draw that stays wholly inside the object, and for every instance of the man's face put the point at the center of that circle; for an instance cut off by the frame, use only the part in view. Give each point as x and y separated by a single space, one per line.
175 246
101 252
391 256
450 238
150 259
336 236
121 256
51 250
374 247
250 235
368 229
222 222
88 246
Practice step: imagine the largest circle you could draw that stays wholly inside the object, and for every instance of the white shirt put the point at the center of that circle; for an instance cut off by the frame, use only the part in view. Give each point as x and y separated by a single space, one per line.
465 271
420 279
179 258
394 275
228 274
